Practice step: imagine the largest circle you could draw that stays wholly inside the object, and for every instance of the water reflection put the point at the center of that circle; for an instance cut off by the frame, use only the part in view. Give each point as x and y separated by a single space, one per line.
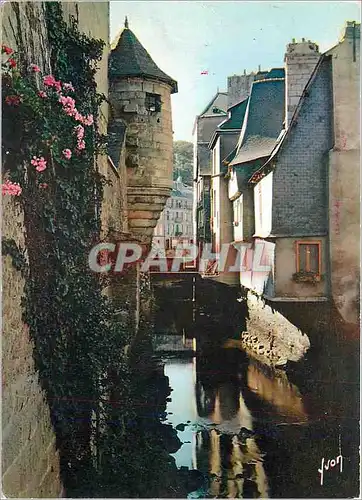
208 410
274 387
247 429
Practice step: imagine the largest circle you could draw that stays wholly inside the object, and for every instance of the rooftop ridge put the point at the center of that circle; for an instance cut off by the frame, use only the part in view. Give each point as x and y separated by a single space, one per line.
268 80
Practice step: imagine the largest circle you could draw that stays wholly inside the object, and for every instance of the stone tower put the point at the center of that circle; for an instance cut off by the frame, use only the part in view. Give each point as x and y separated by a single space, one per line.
140 95
300 60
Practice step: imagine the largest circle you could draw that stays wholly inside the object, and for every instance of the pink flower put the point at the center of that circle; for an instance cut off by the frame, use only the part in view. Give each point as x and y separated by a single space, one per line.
42 94
49 80
79 130
43 185
67 153
39 163
11 188
78 116
35 68
88 120
68 86
68 104
67 101
58 86
81 144
13 100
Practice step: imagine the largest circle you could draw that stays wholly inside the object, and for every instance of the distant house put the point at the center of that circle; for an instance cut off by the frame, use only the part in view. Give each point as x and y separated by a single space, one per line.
205 124
176 220
307 192
222 144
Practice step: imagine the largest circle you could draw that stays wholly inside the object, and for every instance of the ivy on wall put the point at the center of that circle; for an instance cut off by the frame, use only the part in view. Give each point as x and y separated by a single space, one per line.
51 143
99 402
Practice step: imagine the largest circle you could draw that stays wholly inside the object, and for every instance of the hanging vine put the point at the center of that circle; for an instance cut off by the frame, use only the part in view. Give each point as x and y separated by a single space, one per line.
51 142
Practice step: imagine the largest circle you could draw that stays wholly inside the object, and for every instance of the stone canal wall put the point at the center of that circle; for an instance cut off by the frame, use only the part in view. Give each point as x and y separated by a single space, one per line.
30 462
275 333
269 336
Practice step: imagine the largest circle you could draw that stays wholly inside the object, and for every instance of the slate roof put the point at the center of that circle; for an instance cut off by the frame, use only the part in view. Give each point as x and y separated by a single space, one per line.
230 157
284 134
276 73
237 113
130 58
263 120
218 101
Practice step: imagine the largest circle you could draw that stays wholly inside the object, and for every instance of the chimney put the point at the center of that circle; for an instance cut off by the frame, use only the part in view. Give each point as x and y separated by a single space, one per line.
300 60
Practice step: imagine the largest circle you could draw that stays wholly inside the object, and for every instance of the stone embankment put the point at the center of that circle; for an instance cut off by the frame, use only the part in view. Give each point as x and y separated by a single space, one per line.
269 336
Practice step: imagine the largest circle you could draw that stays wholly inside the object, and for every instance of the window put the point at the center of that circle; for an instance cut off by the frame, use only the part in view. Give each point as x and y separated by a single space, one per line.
168 215
309 257
153 103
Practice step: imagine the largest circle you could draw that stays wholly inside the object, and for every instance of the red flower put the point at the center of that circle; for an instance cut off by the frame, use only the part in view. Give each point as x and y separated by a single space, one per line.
43 185
12 62
6 49
14 100
35 68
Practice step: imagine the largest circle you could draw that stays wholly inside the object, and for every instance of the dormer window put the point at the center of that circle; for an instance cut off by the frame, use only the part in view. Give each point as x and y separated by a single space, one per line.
216 110
153 103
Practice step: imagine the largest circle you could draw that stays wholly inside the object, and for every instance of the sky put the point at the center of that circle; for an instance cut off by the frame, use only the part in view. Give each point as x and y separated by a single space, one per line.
224 38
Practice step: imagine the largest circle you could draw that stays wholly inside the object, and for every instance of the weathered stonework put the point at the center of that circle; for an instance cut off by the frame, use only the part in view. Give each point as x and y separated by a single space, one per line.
344 175
269 336
30 462
148 151
300 60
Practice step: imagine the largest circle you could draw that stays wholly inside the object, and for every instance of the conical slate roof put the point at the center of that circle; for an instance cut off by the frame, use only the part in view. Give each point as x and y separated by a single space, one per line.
130 58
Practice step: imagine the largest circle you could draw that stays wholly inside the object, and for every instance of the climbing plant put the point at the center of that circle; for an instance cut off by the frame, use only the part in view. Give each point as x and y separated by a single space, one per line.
51 143
98 402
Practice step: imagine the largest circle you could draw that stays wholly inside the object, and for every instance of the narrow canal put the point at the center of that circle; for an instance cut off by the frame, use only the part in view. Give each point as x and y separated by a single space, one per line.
245 430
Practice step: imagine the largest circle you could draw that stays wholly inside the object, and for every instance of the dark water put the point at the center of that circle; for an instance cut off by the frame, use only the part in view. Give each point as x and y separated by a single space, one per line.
250 431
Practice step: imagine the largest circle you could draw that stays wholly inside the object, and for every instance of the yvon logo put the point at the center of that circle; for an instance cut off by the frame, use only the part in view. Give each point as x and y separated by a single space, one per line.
330 464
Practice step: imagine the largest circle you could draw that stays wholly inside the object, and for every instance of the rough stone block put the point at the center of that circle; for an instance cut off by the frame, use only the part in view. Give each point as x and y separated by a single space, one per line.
132 141
131 107
148 87
138 214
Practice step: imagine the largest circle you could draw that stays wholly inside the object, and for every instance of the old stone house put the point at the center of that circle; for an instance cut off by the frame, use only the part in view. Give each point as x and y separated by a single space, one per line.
139 170
287 180
262 124
175 224
222 145
205 124
301 192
